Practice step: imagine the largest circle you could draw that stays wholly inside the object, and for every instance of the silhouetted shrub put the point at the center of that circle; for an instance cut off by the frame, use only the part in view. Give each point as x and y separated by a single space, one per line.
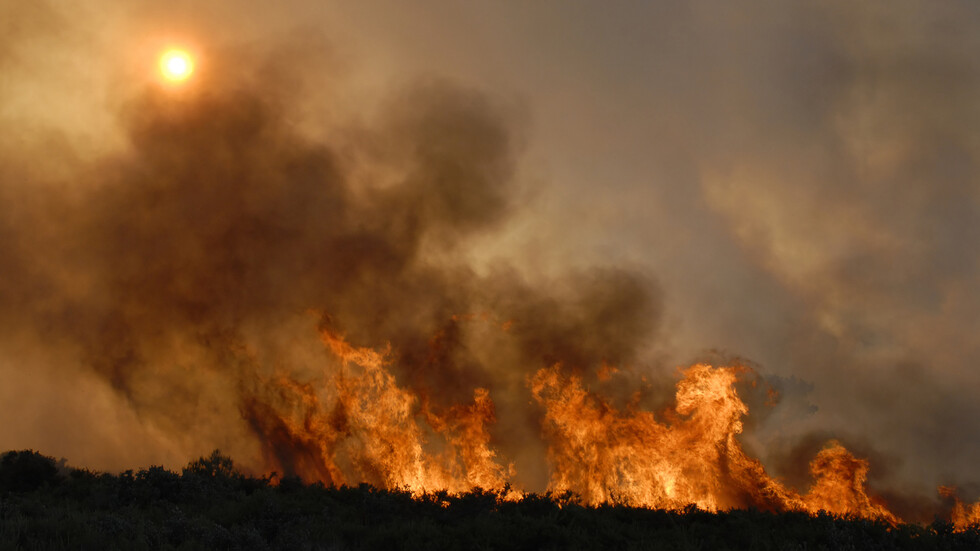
26 471
210 505
213 466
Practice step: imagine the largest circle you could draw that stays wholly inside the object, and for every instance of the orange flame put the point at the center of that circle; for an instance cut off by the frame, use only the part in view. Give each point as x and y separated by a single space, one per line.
357 424
606 455
963 516
360 426
840 485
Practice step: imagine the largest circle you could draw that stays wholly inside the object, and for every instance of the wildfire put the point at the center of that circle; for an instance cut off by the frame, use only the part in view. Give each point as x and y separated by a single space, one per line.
606 455
963 515
356 424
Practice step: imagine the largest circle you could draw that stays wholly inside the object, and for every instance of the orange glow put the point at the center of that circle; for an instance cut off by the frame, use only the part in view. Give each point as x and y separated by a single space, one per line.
355 423
176 65
963 515
694 456
359 425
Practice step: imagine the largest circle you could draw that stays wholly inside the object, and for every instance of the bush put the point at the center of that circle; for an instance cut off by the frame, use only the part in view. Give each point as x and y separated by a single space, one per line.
210 505
26 471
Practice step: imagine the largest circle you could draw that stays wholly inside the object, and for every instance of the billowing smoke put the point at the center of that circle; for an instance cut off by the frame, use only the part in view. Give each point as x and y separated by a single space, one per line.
202 260
223 260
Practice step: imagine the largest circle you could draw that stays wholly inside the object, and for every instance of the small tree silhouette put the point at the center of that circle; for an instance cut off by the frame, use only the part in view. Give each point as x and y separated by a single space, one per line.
212 466
26 471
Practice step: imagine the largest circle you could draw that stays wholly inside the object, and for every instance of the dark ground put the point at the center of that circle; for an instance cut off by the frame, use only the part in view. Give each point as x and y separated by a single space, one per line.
209 505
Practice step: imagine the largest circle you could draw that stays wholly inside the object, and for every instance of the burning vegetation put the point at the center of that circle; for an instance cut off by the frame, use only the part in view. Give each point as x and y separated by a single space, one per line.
193 271
355 424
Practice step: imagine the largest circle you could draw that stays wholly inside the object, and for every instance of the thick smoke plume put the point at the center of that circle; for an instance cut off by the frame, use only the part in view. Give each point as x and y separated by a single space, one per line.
191 269
237 275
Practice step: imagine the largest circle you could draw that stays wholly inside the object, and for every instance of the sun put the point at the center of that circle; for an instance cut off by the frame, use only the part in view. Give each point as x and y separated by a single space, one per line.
176 65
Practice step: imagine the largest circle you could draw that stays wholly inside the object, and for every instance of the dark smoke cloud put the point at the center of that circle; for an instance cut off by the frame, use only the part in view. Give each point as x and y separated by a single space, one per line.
801 178
181 271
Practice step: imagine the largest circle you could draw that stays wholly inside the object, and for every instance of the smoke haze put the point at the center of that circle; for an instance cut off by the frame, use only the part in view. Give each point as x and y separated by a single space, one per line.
490 190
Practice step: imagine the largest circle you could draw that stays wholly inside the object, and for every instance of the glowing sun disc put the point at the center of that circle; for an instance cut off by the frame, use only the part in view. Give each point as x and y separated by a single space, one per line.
176 65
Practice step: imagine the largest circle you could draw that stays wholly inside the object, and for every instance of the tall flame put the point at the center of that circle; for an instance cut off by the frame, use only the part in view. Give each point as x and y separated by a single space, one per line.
358 425
355 423
606 455
963 515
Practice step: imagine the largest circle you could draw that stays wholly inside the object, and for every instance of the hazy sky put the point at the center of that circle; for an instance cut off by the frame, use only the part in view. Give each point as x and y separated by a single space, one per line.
797 182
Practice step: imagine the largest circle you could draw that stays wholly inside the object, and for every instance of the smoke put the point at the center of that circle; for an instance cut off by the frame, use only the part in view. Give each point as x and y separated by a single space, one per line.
802 180
191 267
857 195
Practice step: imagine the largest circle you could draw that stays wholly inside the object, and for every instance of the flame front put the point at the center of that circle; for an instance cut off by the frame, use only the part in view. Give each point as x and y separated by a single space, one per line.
358 425
355 424
963 515
606 455
610 456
